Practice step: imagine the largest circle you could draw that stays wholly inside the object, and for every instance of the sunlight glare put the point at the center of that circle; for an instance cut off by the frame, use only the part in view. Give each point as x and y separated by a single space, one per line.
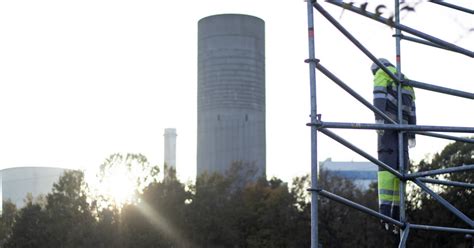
120 187
116 188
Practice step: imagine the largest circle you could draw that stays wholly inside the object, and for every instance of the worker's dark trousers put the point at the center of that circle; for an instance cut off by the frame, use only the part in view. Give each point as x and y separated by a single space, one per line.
388 184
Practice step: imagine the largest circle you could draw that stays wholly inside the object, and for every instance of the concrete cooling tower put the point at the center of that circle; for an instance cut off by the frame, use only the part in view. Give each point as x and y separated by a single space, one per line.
18 182
231 92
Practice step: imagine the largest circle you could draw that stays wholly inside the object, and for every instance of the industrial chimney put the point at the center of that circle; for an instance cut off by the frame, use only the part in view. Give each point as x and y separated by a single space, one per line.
170 149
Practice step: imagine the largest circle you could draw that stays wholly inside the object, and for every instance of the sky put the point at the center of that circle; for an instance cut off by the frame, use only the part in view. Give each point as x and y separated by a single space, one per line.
80 80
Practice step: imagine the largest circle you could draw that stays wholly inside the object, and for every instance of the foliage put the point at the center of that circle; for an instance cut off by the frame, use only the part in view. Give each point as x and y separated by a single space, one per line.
159 219
343 226
236 209
132 172
7 220
426 210
65 220
30 228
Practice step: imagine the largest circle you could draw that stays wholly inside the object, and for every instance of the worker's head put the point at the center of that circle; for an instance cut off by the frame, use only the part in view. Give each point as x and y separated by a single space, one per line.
374 68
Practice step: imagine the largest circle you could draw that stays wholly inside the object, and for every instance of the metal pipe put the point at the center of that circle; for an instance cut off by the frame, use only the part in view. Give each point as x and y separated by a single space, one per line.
354 41
443 136
439 89
401 154
357 206
448 183
441 228
445 203
424 42
402 127
360 152
402 27
415 175
404 235
314 132
456 7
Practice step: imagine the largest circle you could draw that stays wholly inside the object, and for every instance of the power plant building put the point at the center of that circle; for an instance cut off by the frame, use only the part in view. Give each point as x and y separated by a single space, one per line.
362 174
19 182
231 93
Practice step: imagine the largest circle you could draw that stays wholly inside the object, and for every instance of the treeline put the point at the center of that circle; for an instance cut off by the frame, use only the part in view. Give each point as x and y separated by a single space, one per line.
230 211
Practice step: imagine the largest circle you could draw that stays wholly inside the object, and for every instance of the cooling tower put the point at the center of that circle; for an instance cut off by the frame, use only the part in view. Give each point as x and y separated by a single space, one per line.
18 182
231 92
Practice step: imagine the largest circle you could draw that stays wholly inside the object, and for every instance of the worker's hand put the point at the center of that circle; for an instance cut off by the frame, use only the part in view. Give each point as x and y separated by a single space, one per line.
411 143
379 131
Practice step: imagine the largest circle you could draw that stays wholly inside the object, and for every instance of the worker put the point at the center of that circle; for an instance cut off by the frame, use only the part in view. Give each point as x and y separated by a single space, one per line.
386 100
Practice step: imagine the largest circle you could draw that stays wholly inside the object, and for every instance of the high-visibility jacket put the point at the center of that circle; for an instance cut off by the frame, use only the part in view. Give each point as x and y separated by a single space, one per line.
386 97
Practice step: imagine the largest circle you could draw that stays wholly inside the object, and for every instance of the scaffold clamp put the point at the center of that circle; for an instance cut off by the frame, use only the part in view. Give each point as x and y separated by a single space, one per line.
314 189
311 61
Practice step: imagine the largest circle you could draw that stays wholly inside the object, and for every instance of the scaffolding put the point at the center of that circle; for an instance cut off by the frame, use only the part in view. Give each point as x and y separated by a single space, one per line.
418 178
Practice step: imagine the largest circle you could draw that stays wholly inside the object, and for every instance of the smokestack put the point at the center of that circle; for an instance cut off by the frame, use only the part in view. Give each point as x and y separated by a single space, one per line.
170 149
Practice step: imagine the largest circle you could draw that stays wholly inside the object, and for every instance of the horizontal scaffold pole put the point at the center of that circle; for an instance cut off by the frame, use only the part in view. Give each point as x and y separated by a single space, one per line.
359 207
447 183
445 203
439 89
401 27
439 171
360 152
441 228
452 6
402 127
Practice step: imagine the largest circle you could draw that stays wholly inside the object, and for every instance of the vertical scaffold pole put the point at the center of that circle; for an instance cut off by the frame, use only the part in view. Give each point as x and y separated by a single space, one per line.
314 132
401 148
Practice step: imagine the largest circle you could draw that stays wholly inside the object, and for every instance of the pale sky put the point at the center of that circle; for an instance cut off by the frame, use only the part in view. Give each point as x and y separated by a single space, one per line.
80 80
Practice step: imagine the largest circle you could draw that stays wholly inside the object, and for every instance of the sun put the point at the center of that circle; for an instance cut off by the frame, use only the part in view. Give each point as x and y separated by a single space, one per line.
119 187
116 187
119 180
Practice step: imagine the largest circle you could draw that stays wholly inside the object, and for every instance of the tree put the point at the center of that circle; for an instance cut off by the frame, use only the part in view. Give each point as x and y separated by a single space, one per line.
120 179
64 220
109 228
301 195
159 218
70 215
343 226
29 229
238 210
270 216
426 210
211 213
7 220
